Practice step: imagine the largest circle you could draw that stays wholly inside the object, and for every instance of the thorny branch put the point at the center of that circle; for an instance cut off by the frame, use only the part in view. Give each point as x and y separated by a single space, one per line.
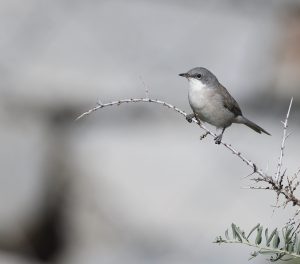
274 183
282 184
176 109
284 137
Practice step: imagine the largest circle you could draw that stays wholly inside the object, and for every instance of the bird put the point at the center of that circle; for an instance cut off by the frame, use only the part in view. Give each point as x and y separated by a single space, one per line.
212 103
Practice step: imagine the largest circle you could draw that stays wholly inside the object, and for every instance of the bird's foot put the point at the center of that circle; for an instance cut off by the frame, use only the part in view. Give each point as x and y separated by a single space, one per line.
204 135
218 139
190 117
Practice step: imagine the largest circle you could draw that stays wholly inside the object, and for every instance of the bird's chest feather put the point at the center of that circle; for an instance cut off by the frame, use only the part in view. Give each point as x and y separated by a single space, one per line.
200 96
207 103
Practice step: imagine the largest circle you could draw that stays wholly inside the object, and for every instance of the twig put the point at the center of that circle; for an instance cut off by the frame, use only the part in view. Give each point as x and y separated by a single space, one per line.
255 188
204 136
284 137
145 86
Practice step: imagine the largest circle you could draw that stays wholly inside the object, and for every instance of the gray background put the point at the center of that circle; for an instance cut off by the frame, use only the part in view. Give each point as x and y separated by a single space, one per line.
134 184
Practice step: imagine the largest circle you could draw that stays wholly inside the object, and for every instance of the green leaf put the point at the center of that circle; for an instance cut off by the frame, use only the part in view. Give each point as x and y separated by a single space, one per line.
288 238
242 233
271 236
276 240
288 233
227 235
233 230
295 243
252 230
298 246
290 247
266 234
259 235
236 232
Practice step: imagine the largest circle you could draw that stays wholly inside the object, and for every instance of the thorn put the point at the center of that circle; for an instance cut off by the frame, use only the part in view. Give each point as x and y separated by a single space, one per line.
254 171
288 135
204 135
245 177
99 102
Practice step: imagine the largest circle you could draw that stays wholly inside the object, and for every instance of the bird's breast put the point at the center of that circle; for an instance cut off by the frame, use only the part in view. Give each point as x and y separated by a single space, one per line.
199 95
207 103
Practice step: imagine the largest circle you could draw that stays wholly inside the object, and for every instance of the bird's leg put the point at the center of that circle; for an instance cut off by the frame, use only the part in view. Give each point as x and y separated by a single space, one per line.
219 137
189 117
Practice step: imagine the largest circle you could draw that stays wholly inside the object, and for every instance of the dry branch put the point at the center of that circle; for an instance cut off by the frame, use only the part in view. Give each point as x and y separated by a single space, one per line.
284 137
274 183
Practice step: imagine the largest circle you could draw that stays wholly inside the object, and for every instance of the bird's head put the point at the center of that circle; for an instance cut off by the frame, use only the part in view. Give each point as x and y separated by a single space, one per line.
200 76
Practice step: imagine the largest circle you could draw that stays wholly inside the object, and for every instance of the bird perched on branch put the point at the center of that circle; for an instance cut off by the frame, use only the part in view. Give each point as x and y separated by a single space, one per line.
212 103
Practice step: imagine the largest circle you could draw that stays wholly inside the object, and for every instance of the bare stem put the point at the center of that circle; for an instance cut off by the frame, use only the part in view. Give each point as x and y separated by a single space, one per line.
264 249
284 137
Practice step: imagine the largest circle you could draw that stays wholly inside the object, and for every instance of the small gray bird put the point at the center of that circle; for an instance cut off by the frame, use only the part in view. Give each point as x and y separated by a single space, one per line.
212 103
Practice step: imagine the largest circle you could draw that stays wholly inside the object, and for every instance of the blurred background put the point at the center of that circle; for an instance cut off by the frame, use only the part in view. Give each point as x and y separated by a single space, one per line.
134 184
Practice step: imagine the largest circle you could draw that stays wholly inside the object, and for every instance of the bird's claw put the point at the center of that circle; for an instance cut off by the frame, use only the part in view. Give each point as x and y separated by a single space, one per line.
218 139
189 118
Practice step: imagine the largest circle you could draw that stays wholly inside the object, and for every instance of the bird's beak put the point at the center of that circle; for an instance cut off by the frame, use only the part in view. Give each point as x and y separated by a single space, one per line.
186 75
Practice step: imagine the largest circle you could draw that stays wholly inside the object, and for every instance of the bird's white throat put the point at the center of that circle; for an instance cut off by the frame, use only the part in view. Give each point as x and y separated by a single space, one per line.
196 85
198 94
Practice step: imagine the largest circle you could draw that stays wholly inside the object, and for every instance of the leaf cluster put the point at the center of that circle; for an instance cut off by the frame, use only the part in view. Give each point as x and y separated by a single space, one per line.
284 245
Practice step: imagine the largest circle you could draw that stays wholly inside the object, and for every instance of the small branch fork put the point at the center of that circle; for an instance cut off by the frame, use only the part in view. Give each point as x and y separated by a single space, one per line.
281 183
274 183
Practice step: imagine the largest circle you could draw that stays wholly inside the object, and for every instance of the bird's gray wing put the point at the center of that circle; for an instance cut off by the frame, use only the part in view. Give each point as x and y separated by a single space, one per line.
229 102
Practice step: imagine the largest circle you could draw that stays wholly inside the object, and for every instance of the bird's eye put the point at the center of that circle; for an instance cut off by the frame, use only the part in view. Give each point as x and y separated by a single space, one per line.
199 76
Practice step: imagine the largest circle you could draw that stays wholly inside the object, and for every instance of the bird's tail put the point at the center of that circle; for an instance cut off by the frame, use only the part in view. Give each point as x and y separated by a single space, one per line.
248 123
